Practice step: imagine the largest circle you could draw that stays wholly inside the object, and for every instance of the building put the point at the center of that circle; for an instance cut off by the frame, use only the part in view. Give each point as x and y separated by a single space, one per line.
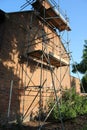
34 63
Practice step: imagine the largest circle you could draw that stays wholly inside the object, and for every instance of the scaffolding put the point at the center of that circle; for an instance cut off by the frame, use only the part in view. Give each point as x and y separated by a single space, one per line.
50 15
47 52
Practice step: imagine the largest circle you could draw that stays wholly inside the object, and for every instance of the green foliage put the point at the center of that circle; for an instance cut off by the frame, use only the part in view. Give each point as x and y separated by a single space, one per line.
84 82
72 106
84 128
82 66
84 106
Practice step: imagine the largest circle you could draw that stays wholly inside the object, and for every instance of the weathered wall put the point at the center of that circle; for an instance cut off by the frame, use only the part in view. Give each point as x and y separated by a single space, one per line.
75 82
20 30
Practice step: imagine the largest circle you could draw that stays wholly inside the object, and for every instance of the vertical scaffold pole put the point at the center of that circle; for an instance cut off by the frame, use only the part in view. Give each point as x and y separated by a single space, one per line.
10 97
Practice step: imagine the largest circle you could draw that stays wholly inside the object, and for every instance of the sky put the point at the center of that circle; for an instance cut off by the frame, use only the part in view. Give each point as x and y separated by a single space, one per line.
76 11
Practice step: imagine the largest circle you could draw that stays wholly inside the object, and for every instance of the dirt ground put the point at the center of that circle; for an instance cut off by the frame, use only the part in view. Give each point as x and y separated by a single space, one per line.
74 124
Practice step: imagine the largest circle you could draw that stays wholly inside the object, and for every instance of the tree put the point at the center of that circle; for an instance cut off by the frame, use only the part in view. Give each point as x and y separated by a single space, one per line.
82 66
84 82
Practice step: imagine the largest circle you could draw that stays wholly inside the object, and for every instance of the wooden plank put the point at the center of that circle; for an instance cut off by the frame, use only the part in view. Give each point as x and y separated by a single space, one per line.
53 60
55 19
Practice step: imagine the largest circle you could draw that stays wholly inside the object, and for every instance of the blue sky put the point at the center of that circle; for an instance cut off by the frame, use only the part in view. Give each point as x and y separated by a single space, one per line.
77 13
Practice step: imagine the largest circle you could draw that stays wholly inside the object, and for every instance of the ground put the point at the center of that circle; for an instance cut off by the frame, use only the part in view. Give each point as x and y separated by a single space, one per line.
73 124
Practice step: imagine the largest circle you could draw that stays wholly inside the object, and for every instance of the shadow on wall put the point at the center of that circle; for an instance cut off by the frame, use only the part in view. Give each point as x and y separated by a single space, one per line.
6 75
8 61
14 35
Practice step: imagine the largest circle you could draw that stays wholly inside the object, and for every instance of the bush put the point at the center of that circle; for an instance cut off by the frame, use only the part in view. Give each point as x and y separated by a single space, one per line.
84 128
72 106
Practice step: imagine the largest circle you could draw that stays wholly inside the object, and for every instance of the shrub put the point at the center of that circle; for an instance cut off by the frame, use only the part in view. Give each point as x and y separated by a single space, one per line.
72 105
84 128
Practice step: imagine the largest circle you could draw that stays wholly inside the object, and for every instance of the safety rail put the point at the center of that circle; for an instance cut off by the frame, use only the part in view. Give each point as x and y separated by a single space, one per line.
53 4
57 9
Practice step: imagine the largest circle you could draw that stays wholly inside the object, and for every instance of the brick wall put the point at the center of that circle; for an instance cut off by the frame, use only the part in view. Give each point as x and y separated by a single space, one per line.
18 31
75 82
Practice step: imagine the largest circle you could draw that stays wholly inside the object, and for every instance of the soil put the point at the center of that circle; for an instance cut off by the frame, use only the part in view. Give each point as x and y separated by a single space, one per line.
73 124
